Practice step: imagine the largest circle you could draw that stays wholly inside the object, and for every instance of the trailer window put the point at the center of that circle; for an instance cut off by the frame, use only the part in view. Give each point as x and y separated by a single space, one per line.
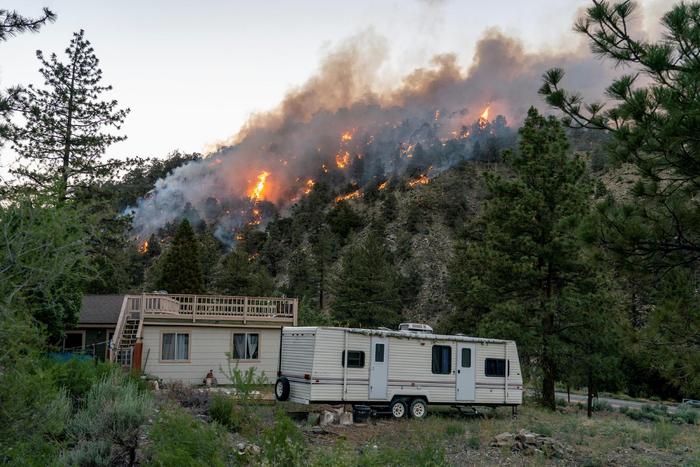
356 359
496 367
442 359
466 358
378 352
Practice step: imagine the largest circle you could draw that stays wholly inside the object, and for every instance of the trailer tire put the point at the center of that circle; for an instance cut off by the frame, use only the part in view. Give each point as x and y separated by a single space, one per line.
419 408
282 389
398 408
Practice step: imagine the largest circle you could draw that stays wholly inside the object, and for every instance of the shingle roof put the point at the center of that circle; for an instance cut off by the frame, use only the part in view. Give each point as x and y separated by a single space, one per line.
100 309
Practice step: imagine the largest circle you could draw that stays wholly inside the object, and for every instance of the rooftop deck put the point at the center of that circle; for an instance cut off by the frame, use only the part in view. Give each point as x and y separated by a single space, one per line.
214 307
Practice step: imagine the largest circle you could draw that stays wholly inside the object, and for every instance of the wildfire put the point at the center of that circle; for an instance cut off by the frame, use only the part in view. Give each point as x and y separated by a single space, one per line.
342 160
422 180
309 186
383 185
258 191
353 195
215 162
346 136
143 249
485 114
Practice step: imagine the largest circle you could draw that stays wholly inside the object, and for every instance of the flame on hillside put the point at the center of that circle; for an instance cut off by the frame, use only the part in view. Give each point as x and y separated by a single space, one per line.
258 191
422 180
355 194
143 248
342 160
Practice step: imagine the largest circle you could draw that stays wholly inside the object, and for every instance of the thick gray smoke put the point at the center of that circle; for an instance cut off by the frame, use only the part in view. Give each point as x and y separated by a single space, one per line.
339 129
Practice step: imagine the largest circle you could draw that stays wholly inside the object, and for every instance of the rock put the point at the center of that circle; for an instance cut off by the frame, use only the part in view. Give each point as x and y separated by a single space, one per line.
504 439
345 418
253 449
241 447
327 418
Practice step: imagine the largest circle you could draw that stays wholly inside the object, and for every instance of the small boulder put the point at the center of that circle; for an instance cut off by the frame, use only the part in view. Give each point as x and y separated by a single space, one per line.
504 439
327 418
345 418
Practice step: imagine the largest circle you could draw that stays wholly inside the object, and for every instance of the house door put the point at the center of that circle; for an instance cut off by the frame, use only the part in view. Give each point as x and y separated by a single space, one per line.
466 372
379 368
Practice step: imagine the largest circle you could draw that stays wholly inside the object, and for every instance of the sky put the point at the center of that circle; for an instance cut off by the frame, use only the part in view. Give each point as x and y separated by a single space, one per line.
193 72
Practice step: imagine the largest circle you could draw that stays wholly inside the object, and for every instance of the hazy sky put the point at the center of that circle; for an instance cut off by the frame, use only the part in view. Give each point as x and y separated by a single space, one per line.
192 72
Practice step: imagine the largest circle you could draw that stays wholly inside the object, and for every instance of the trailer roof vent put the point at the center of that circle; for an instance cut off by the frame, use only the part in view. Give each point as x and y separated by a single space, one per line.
415 327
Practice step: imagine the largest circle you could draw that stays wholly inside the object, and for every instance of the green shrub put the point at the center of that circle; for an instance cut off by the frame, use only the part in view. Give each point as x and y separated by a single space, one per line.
108 429
284 443
430 455
228 412
543 429
686 414
474 442
662 434
561 402
454 429
599 405
177 438
78 376
340 455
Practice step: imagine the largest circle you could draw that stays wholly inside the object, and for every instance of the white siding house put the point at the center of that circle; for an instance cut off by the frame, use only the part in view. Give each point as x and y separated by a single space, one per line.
183 337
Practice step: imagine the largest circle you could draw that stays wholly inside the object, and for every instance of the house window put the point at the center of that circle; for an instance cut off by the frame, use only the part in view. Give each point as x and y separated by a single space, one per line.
496 367
246 346
466 358
356 359
379 353
175 346
442 359
74 341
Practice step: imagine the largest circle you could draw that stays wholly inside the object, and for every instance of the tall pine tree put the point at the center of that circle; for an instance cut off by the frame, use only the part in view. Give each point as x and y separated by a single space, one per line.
513 276
180 270
64 135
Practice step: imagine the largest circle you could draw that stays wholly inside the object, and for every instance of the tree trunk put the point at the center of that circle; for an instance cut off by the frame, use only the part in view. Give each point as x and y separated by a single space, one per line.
568 393
65 167
590 394
548 381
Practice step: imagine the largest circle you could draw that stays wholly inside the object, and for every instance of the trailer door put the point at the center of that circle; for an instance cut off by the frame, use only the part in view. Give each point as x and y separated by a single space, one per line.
379 368
466 372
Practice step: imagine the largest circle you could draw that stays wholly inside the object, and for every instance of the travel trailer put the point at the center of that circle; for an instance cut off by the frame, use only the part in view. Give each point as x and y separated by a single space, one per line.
402 371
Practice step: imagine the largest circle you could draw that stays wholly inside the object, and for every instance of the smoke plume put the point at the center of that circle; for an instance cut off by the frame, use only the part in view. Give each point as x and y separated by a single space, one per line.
338 128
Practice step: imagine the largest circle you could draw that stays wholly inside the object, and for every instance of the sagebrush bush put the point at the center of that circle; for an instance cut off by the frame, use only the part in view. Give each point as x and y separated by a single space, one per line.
284 443
107 430
177 438
229 413
78 376
662 434
601 406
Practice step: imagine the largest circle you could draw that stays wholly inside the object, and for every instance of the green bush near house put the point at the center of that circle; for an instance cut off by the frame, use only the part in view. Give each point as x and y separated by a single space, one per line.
108 430
228 412
177 438
283 443
78 376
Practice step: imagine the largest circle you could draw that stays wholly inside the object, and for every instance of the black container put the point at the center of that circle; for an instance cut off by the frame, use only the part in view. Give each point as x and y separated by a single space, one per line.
360 413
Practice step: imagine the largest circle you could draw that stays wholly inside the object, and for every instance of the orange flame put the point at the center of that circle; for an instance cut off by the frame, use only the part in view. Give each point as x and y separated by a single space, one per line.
383 185
353 195
485 114
346 136
309 186
143 249
258 191
342 160
422 180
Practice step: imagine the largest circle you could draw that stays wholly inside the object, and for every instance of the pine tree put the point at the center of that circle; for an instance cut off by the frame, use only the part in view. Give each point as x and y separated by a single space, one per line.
12 23
180 270
63 138
513 277
654 124
238 274
366 290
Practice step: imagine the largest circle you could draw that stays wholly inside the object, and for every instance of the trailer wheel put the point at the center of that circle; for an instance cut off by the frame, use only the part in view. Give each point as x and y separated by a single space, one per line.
282 389
419 408
398 408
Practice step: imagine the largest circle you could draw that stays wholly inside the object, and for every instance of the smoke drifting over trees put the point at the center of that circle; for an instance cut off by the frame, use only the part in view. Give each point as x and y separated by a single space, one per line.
340 129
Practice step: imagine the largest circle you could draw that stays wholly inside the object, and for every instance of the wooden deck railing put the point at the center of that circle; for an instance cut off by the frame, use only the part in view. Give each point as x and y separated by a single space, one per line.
215 307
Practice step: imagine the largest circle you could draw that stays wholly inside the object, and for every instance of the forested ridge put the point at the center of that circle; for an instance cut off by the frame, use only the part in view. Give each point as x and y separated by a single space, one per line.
575 234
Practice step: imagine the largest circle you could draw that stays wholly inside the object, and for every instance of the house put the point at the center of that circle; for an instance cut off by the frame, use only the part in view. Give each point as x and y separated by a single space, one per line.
98 319
183 337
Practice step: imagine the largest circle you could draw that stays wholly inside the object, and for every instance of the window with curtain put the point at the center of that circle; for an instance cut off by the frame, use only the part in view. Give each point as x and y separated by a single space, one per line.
356 359
442 359
175 346
246 346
